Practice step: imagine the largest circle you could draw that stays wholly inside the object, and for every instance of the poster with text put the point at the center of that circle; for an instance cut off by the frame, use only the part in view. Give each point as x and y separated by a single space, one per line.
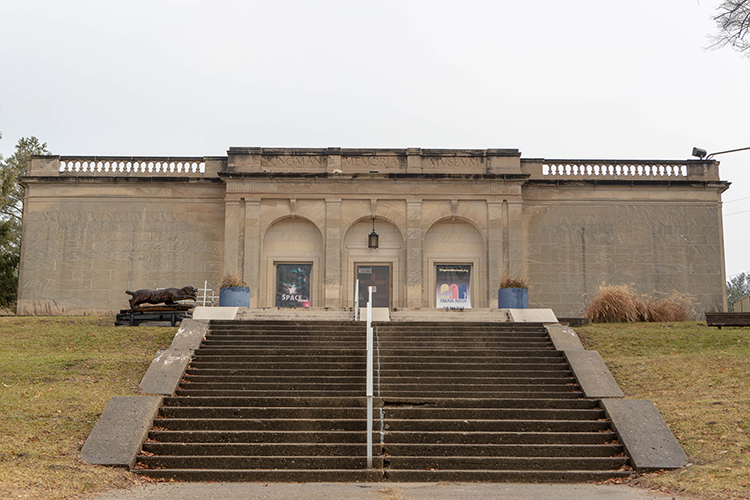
293 285
453 286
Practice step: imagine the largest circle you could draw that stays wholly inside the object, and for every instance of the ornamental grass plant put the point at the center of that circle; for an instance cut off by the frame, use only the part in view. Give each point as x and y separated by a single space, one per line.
622 304
232 279
510 282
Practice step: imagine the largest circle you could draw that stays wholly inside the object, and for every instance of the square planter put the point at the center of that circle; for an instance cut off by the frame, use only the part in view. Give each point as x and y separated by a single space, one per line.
234 296
512 298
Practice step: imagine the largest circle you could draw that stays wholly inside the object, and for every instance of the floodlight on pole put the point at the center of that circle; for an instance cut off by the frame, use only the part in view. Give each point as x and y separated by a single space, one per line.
728 151
701 153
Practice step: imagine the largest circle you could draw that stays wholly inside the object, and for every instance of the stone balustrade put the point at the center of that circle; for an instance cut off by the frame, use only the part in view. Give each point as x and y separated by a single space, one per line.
614 168
644 170
132 165
125 166
389 162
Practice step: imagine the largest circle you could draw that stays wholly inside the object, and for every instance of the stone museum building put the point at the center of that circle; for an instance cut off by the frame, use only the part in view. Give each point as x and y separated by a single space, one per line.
430 228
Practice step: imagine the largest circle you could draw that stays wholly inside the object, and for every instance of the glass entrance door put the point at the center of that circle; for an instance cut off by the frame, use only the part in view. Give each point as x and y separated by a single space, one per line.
379 277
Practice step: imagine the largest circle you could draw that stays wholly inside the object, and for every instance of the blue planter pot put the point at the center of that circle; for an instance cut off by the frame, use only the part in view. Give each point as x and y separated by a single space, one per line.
512 298
234 296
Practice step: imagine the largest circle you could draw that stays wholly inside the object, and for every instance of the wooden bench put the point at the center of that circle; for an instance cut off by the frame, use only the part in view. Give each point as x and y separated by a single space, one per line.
720 319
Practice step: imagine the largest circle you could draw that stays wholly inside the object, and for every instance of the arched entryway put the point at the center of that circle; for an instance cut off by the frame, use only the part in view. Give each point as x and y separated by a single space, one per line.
382 266
455 266
291 264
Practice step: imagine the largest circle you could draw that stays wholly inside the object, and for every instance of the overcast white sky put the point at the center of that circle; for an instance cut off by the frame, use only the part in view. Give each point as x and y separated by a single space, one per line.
555 79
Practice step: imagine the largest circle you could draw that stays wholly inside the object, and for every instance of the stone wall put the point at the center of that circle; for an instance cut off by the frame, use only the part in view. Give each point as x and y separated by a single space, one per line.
84 244
659 240
95 227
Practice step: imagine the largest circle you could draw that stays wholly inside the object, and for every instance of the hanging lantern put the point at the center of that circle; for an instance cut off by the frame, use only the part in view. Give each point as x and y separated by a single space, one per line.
372 239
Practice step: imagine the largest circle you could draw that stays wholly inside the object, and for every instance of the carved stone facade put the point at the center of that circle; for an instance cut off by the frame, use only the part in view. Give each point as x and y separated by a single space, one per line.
95 227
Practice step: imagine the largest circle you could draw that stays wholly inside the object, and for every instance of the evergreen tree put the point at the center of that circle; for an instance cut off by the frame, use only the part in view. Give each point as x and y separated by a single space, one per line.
11 214
737 287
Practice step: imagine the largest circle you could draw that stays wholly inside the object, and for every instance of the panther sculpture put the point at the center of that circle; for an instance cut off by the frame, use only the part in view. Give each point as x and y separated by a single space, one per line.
167 295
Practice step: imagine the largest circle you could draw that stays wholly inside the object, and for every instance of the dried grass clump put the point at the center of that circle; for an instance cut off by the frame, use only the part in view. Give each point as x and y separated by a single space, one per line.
509 282
232 279
621 304
674 307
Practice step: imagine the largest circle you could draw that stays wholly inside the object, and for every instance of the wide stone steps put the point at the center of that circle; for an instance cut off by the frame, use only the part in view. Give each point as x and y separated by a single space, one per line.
284 401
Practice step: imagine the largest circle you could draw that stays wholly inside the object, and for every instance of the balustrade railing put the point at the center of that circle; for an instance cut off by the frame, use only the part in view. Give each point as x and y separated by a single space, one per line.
132 165
651 169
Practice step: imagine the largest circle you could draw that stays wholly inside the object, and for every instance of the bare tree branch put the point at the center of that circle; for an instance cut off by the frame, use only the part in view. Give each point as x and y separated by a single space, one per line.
733 25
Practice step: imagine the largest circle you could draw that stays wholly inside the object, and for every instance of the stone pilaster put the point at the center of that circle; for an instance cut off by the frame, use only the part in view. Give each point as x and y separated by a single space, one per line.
231 235
333 281
414 278
414 161
515 238
251 269
494 248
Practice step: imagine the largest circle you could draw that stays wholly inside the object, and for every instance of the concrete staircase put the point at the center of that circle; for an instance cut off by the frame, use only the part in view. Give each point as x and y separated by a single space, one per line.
283 401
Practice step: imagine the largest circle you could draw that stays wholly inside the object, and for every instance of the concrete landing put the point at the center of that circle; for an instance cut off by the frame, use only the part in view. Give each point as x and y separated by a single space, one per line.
532 315
458 315
380 314
296 313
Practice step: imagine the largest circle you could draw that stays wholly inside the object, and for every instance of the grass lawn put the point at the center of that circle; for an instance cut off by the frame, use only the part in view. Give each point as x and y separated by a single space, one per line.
699 379
56 376
58 373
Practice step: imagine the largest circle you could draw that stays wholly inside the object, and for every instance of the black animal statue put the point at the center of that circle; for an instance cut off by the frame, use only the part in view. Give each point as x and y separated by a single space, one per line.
168 296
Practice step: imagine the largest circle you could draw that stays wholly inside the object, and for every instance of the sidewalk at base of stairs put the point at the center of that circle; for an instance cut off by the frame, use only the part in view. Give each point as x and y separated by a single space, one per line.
383 491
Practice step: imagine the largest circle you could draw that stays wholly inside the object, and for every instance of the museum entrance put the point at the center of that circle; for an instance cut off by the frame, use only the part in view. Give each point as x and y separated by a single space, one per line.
378 276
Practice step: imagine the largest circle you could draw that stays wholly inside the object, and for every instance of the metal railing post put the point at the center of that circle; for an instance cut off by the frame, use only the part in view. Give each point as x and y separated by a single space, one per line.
369 377
356 300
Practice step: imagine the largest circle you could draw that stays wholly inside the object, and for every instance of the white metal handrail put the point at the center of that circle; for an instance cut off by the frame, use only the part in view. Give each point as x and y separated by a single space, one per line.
369 377
356 300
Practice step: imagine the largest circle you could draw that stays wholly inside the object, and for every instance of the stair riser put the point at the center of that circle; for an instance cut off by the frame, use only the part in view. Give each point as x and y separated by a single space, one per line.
400 438
262 449
291 475
404 476
494 450
514 438
283 402
490 476
262 437
505 463
391 403
270 392
230 381
397 413
495 426
265 413
492 414
262 425
332 372
261 462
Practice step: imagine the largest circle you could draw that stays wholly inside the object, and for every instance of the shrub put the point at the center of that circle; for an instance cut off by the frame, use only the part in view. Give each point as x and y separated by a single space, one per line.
621 304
